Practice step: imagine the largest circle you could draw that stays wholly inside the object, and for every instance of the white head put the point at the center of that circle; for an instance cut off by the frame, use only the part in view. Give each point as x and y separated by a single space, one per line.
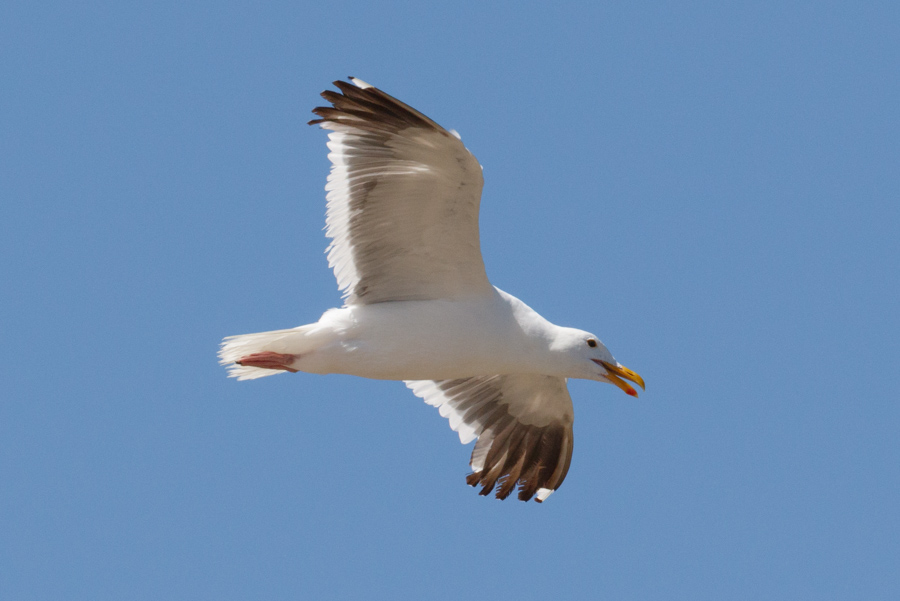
589 359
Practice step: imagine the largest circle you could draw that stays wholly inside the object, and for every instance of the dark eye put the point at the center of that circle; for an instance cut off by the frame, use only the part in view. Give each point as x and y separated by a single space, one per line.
591 342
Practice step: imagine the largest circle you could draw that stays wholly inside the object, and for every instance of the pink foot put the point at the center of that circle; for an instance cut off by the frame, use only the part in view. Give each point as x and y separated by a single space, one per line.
268 360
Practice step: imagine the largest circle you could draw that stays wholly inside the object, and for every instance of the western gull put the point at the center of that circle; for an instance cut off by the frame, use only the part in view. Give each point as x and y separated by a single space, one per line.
402 215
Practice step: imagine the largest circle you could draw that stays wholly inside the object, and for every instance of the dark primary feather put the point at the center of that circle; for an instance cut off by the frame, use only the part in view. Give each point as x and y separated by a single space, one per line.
515 454
370 109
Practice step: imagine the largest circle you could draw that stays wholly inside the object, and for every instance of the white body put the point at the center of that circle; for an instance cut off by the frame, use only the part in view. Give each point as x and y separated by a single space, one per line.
430 340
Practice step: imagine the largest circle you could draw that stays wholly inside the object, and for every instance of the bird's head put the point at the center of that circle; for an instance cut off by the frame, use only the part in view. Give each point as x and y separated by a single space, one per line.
595 362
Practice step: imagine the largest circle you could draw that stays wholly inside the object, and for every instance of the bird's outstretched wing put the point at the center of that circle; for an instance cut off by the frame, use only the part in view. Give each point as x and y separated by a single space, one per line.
403 199
523 423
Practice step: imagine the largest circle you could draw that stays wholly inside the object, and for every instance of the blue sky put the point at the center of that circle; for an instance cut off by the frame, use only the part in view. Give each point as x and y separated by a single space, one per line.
711 187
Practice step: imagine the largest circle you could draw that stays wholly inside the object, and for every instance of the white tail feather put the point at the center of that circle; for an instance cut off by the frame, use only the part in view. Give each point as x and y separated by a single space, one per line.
235 347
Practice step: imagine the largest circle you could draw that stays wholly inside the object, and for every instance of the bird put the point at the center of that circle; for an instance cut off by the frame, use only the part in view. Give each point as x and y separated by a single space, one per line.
403 198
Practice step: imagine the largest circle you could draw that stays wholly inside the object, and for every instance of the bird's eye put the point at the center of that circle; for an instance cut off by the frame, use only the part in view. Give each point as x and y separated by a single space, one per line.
591 342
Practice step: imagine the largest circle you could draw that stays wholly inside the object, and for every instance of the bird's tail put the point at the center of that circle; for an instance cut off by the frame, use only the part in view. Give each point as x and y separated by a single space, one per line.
235 348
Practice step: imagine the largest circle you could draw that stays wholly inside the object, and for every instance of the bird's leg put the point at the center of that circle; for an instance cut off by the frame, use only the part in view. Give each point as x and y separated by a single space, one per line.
268 360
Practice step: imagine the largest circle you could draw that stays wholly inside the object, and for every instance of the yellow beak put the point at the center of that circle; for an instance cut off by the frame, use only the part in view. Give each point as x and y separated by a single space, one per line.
617 374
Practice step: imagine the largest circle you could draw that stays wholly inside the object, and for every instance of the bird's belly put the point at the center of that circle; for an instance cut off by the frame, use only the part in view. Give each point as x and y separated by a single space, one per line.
419 340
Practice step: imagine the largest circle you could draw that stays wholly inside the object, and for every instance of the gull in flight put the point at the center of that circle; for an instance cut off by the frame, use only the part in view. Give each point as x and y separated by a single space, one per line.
402 216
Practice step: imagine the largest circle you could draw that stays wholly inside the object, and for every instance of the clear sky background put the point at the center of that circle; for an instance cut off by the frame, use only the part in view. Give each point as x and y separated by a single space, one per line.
713 188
